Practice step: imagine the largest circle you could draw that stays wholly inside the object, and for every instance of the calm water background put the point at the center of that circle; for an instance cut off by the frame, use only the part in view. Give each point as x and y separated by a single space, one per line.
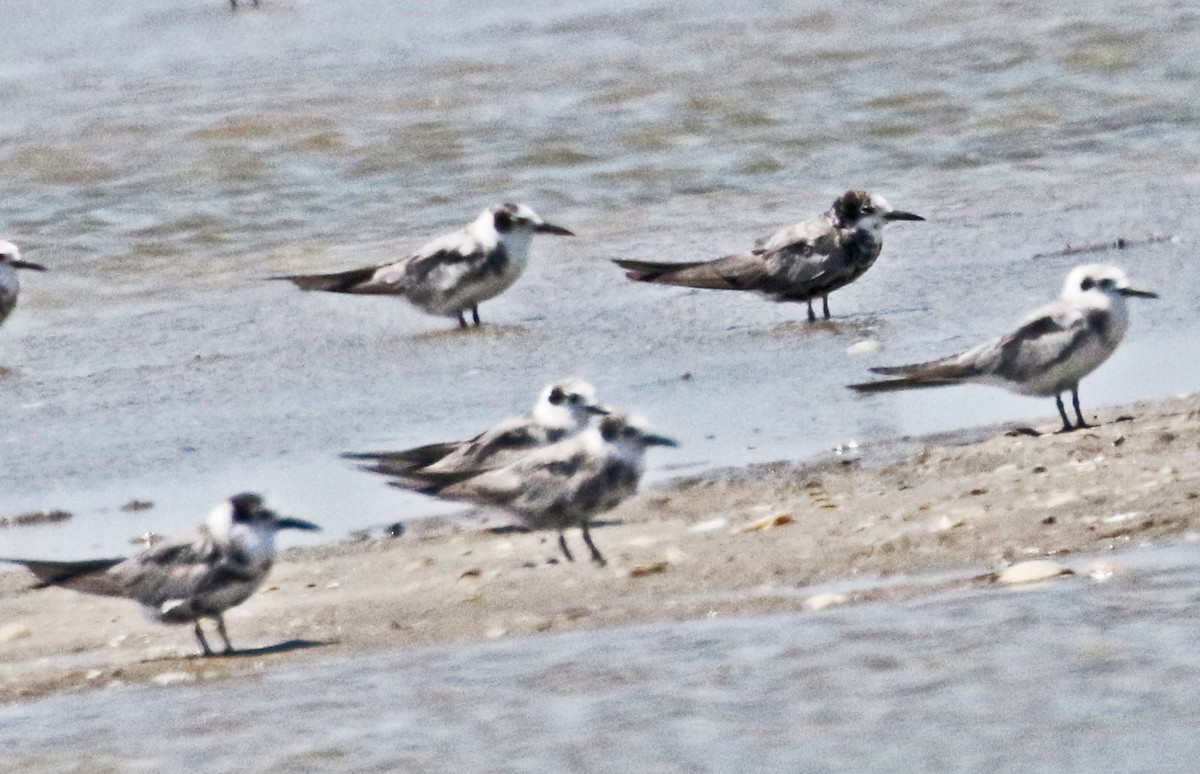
1076 676
164 156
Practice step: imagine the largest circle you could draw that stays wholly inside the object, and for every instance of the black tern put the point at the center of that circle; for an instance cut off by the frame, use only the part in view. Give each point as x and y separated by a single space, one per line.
182 581
10 284
1051 350
562 409
562 485
453 273
803 262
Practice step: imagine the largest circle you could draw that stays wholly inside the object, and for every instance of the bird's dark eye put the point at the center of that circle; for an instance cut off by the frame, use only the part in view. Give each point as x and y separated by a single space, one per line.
557 396
1108 283
609 429
575 399
631 432
504 221
1087 284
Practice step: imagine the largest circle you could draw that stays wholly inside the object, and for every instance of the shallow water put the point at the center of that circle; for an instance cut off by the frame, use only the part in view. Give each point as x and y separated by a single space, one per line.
1075 675
165 156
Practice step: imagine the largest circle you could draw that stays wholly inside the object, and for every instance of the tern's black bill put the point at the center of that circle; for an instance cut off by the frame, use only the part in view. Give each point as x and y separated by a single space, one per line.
1135 293
659 440
550 228
898 215
287 522
27 265
599 409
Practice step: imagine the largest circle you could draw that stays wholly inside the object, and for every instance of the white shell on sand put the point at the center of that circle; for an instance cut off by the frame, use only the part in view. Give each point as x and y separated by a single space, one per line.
1032 571
864 347
822 601
14 632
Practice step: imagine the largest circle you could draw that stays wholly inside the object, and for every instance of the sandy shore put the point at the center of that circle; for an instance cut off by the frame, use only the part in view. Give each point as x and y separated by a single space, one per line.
679 551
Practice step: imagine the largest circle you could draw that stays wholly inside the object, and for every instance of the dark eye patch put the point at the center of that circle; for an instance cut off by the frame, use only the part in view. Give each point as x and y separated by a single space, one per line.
557 396
1108 283
1087 284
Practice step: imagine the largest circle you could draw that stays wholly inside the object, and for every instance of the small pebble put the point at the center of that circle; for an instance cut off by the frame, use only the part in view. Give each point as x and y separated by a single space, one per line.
770 522
654 568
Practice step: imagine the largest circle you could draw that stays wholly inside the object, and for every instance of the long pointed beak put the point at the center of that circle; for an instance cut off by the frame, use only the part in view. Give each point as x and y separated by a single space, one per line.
26 265
899 215
550 228
659 440
599 408
1134 292
288 522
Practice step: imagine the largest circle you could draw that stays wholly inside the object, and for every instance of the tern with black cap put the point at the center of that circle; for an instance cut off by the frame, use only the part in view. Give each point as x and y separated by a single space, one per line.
803 262
188 579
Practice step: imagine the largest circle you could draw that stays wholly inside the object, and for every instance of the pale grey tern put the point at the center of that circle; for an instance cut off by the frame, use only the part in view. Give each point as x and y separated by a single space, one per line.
188 579
562 485
1051 350
454 273
563 408
10 283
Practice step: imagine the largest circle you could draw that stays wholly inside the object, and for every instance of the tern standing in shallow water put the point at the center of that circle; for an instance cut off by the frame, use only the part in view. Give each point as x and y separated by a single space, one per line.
10 284
563 409
565 484
803 262
182 581
1050 351
454 273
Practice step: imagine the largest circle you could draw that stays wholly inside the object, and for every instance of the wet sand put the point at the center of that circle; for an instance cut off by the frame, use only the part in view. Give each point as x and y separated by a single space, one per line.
946 514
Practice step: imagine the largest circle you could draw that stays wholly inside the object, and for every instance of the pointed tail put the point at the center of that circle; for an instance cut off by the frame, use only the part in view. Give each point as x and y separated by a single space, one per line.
86 576
339 282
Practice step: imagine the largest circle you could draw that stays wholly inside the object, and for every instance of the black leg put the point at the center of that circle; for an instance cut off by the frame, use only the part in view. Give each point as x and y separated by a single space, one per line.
475 314
811 317
462 321
203 642
597 557
1062 412
825 305
1075 403
562 543
224 636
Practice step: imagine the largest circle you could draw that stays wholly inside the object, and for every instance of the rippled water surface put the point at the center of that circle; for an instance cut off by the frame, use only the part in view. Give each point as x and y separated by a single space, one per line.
163 157
1076 676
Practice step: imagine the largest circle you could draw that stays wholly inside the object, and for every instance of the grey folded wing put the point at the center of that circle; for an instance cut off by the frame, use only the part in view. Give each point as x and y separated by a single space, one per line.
746 271
179 571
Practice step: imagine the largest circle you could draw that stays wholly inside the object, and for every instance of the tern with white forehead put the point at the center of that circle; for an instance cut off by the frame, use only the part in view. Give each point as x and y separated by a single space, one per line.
564 408
10 284
565 484
1051 350
803 262
184 580
454 273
